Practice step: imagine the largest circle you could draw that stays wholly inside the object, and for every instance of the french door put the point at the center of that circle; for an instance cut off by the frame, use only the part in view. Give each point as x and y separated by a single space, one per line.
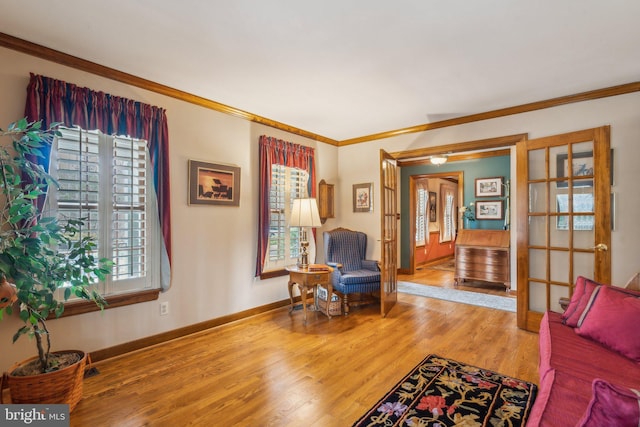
389 233
563 218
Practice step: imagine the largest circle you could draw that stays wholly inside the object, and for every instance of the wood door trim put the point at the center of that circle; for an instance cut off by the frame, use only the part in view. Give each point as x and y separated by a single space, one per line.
460 147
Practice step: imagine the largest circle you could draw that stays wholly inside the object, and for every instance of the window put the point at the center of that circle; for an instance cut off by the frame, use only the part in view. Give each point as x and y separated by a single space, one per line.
421 218
287 184
448 217
106 181
287 172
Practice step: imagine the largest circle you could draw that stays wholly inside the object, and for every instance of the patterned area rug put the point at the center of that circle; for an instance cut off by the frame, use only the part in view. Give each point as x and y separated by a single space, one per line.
464 297
441 392
449 265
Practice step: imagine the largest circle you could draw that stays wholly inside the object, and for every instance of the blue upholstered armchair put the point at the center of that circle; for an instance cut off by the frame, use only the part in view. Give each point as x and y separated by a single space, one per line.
345 250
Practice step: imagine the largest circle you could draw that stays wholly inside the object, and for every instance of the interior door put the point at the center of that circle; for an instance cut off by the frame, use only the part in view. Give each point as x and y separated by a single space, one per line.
564 218
389 233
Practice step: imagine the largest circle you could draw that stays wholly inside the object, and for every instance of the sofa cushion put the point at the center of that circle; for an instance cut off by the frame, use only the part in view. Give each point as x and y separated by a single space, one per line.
581 293
611 319
568 365
356 277
612 405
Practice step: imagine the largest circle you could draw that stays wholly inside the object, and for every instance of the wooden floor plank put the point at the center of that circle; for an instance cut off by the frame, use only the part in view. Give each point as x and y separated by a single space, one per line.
273 370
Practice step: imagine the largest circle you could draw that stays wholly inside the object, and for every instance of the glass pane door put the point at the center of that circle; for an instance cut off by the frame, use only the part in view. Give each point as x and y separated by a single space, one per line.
565 188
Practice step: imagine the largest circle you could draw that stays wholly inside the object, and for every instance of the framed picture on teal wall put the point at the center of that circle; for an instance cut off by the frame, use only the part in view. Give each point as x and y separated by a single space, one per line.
489 187
489 209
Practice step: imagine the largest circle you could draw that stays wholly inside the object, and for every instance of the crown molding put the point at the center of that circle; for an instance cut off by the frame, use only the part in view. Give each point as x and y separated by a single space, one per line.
56 56
538 105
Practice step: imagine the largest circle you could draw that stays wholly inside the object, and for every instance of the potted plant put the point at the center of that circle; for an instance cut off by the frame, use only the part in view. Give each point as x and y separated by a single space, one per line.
47 260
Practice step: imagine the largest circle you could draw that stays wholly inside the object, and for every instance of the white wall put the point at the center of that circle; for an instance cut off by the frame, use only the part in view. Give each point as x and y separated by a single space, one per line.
214 247
622 113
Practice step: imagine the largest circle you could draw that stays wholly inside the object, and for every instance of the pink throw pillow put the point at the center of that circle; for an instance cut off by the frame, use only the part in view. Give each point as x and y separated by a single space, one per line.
611 405
579 300
612 320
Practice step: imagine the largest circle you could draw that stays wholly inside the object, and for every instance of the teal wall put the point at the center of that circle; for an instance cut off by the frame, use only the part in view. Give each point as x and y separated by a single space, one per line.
480 168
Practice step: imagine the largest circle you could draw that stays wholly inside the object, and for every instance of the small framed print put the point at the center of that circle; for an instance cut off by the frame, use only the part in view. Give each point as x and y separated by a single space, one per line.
363 197
213 184
582 165
489 209
489 187
433 199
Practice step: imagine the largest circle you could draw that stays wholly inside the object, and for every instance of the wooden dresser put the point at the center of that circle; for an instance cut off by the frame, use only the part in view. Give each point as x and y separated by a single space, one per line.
483 255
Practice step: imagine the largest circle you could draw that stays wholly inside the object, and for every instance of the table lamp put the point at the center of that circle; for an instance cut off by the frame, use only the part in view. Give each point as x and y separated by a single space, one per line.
304 214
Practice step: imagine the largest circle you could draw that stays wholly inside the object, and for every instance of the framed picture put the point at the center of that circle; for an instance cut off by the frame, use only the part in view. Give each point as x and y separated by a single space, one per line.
489 187
213 184
489 209
581 203
582 165
363 197
433 199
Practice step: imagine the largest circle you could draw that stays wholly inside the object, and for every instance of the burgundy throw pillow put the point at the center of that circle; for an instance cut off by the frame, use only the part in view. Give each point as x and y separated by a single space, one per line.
612 320
611 405
579 300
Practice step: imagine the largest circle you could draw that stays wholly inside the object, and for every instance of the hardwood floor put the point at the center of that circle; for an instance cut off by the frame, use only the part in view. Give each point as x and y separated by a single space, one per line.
426 275
272 370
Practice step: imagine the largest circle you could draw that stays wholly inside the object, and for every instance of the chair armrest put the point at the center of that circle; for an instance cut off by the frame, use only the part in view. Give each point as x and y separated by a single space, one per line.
370 264
335 264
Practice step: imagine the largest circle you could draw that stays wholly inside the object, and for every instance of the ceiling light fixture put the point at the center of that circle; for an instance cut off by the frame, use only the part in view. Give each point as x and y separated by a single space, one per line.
438 160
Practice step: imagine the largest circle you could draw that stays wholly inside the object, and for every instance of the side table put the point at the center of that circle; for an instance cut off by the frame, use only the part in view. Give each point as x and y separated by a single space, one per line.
306 279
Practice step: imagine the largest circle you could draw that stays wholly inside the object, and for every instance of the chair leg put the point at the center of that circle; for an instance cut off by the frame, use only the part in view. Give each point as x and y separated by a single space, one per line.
345 304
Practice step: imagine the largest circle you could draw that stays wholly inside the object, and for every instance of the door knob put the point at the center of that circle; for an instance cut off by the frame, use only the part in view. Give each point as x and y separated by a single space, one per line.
601 247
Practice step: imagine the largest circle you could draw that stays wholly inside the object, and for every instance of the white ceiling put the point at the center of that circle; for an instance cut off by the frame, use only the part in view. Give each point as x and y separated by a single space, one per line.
349 68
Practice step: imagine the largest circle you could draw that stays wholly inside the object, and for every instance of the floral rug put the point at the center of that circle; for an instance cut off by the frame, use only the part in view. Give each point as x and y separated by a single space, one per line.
441 392
449 265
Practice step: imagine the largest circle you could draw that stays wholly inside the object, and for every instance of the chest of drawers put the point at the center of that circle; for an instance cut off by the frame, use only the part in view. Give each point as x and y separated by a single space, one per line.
483 255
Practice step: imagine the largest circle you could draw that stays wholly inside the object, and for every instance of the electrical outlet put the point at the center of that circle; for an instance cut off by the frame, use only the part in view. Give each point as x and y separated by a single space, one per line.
164 308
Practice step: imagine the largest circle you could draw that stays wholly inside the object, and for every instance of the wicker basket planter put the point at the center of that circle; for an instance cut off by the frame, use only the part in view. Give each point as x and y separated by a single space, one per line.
8 294
63 386
335 305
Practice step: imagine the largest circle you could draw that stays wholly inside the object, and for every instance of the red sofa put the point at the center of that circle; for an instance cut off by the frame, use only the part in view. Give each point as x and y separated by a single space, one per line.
590 360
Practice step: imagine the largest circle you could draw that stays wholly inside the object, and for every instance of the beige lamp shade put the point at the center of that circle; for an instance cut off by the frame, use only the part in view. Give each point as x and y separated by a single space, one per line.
304 213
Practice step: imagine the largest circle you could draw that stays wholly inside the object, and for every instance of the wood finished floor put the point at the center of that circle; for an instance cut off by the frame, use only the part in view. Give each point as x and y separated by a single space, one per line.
429 276
272 370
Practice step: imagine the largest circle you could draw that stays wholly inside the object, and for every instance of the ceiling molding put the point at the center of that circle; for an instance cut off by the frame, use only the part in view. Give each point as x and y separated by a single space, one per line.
524 108
53 55
56 56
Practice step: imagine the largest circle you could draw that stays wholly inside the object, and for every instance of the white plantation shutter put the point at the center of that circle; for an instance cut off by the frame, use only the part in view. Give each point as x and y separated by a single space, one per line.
106 181
76 166
421 219
448 218
129 204
287 184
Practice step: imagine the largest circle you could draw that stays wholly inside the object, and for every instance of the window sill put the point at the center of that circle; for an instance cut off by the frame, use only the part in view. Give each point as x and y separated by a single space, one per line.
80 307
275 273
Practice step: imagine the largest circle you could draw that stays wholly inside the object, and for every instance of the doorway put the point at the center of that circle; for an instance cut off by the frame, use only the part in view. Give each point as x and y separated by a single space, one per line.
429 215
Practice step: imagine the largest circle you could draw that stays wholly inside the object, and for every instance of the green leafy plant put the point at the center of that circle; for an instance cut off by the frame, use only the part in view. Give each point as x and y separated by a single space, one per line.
468 212
48 259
